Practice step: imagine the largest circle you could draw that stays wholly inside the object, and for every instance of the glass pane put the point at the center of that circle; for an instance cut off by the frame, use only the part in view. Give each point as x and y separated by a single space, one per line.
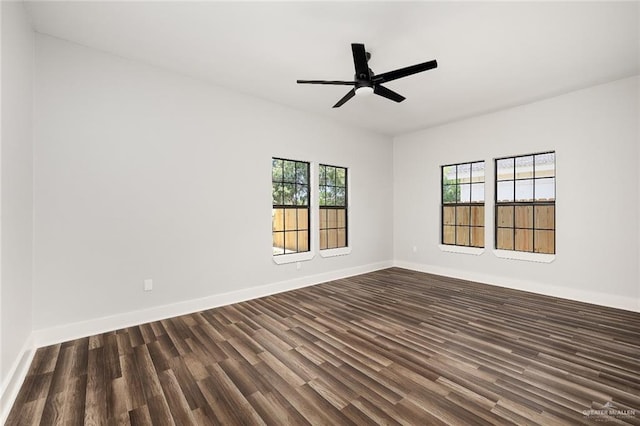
524 167
276 170
505 191
545 217
330 196
477 192
462 215
323 218
546 189
290 219
303 218
277 194
323 169
505 169
524 190
289 190
341 177
340 197
545 165
331 176
477 215
302 171
449 215
545 242
332 238
332 218
323 239
450 193
524 217
342 218
477 237
342 237
278 243
505 216
524 240
303 240
302 195
504 240
277 220
465 193
291 242
477 172
448 175
323 196
448 235
464 173
462 235
289 171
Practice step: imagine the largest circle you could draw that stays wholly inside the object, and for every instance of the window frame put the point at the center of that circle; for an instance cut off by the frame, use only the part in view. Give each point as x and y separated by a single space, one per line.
308 254
335 251
455 247
531 255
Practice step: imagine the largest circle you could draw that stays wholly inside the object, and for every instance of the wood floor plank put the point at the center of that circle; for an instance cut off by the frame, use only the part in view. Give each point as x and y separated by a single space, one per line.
388 347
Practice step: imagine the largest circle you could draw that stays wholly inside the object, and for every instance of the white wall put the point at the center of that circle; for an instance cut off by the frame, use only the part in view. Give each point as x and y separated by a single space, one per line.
142 173
595 135
16 191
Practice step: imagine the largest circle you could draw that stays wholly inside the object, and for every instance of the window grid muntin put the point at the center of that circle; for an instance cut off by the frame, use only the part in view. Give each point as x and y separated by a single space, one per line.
456 205
326 170
302 180
533 203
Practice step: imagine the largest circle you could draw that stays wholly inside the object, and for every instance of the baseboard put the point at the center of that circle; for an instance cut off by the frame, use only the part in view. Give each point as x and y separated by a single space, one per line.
54 335
15 378
596 298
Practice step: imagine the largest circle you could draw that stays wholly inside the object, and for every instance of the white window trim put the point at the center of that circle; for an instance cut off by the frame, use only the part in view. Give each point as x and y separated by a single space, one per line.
524 256
341 251
449 248
283 259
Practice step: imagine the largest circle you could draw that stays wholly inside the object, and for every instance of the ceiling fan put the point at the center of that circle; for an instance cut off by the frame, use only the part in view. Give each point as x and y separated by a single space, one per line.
366 82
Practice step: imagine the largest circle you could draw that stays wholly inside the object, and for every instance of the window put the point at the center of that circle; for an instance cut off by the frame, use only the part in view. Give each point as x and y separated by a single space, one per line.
463 204
333 207
290 214
525 203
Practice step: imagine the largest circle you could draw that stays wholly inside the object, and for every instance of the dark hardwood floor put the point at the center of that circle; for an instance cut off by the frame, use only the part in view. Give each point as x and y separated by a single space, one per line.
388 347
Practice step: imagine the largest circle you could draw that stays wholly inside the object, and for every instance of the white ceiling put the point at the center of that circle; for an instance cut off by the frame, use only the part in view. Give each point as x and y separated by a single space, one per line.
491 55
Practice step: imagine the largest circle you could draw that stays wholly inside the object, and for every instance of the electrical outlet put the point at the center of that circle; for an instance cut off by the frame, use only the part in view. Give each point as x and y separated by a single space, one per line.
415 249
298 265
148 284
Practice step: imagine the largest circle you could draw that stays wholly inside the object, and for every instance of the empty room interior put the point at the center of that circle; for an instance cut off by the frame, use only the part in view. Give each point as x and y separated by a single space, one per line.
324 213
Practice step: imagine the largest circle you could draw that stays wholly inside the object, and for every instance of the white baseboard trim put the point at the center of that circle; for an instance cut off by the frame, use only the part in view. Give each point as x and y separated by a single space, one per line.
15 378
596 298
54 335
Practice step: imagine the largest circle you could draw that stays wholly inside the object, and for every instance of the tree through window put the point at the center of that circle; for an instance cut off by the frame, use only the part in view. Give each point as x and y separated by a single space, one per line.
290 213
333 207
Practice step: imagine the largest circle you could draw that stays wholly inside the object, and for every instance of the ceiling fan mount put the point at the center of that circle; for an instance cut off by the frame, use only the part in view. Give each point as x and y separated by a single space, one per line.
366 82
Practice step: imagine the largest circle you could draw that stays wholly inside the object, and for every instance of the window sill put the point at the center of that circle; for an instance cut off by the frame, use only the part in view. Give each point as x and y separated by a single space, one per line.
342 251
526 256
476 251
294 257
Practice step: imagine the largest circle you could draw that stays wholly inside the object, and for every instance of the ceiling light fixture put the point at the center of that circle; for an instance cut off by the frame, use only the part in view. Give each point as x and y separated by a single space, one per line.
364 91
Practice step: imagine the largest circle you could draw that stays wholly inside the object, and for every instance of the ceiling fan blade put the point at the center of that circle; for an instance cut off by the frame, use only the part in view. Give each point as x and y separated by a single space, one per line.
346 97
389 94
360 61
341 83
404 72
